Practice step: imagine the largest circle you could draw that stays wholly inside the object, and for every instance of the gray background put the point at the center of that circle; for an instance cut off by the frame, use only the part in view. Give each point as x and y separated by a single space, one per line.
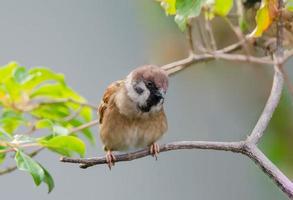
95 42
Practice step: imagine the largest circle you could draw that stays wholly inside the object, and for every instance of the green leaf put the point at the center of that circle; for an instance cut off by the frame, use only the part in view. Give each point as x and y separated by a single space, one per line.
44 123
20 74
38 172
56 90
41 75
53 112
49 90
2 155
48 179
169 6
6 71
65 145
243 24
11 120
26 163
86 132
223 7
186 9
86 113
49 124
289 5
12 89
4 135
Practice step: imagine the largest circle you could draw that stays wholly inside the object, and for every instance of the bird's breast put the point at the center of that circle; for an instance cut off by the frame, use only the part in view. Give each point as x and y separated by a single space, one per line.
121 133
136 137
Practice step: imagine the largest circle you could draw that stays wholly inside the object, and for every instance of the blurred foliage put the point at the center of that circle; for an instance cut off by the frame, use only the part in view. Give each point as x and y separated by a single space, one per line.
35 100
278 139
185 10
289 5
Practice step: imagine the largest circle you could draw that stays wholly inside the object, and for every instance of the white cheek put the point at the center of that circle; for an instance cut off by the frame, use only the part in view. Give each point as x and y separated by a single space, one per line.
140 99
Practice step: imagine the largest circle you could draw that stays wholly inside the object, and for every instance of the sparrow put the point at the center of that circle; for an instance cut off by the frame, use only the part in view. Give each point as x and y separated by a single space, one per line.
131 113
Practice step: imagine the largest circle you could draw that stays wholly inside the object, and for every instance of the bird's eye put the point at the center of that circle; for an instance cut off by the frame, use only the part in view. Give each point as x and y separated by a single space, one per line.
139 90
149 83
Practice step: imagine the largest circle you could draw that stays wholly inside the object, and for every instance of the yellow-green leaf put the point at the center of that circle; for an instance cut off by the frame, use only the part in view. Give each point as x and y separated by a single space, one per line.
44 123
169 6
222 7
265 17
11 120
6 71
41 75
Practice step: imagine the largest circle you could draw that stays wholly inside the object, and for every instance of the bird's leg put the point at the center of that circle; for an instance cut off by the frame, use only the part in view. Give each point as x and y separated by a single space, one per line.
155 150
110 158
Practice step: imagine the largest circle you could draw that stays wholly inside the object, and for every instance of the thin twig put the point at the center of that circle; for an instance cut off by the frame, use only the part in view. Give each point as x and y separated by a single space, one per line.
239 35
84 126
202 36
189 38
212 39
65 100
179 65
16 146
35 152
74 114
223 146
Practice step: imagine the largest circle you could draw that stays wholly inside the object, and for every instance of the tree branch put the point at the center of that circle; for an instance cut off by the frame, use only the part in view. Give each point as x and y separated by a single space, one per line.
270 169
270 107
49 101
247 147
179 65
223 146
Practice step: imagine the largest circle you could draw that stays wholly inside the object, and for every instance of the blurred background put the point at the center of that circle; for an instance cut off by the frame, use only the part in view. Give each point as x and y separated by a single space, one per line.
95 42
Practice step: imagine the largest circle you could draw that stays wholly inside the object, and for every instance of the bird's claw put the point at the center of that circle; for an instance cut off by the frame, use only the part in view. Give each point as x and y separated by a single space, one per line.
110 158
155 150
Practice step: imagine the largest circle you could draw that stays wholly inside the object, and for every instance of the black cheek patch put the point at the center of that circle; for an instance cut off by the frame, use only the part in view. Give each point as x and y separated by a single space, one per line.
153 99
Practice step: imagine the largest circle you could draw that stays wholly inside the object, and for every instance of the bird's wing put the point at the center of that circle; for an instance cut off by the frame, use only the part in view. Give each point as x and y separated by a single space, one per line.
109 93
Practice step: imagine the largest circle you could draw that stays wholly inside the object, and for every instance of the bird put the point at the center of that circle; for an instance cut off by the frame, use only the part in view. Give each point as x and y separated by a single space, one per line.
131 113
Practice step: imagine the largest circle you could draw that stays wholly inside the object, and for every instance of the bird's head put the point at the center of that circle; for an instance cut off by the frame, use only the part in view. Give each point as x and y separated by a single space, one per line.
146 86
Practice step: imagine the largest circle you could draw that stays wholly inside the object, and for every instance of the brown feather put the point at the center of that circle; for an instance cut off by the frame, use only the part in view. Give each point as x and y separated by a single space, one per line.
122 127
112 88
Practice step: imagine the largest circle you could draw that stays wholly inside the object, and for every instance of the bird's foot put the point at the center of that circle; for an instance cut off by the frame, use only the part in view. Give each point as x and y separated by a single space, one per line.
110 158
155 150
